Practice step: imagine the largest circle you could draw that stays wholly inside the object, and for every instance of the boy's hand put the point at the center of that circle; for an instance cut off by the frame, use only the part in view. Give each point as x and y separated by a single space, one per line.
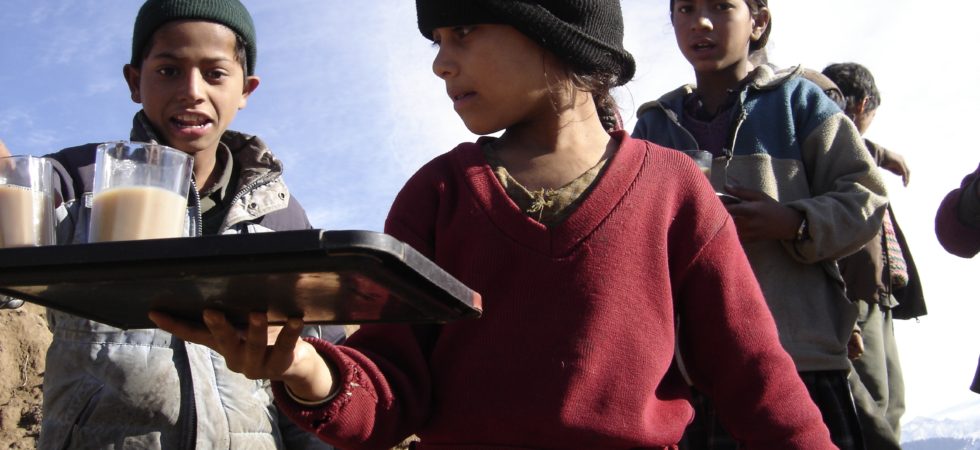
895 163
855 345
260 352
759 217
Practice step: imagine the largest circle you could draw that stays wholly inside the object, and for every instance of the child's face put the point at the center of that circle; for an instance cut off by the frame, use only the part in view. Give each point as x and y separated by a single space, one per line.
495 75
190 84
714 35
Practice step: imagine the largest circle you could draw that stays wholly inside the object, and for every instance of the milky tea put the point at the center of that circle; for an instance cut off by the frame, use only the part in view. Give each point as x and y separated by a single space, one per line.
140 192
26 202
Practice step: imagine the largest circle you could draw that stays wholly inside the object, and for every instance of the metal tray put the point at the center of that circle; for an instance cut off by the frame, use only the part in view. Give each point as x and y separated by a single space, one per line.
334 277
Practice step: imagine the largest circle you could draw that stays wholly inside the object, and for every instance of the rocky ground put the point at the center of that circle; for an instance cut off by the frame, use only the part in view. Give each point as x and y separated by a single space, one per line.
24 338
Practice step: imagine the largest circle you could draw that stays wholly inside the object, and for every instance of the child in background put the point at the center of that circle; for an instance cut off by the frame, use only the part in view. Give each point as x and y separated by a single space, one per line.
809 192
958 227
596 256
192 69
881 279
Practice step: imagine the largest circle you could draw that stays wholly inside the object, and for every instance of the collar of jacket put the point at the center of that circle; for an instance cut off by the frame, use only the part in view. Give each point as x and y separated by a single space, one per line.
765 77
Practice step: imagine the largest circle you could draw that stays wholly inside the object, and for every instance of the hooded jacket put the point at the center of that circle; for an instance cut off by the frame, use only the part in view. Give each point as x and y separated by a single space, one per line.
791 142
110 388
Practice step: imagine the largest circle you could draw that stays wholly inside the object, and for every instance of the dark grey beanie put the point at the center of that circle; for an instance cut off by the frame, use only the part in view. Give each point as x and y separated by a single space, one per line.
588 34
230 13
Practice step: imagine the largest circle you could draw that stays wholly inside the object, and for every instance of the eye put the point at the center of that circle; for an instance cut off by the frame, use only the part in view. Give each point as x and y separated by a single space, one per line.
167 71
216 74
462 31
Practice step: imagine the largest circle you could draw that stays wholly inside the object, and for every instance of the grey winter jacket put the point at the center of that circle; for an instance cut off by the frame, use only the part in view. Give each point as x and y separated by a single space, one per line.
113 389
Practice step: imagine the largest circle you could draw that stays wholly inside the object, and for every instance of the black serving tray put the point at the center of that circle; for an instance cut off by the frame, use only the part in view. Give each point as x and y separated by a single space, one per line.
331 277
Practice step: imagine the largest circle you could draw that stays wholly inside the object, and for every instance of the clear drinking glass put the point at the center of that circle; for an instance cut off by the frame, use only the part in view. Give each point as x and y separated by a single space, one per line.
140 192
26 202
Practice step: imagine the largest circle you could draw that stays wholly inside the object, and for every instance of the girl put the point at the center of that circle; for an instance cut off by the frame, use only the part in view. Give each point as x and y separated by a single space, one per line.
809 191
576 346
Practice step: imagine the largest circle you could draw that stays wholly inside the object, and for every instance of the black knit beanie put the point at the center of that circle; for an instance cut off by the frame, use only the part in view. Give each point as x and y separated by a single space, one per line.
230 13
587 34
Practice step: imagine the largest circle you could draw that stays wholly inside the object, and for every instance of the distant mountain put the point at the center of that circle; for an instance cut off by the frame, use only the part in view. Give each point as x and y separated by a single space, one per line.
956 428
942 444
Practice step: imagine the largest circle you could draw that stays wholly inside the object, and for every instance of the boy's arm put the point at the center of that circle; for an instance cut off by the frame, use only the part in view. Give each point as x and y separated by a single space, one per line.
848 197
958 218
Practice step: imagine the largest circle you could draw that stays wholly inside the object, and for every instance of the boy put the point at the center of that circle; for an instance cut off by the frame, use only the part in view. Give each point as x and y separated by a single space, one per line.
883 281
192 69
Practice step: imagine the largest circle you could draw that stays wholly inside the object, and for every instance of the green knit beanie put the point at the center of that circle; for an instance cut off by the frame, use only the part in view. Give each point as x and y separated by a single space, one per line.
230 13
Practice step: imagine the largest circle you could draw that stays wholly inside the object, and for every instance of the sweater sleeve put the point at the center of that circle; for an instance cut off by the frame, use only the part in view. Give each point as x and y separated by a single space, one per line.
848 196
382 369
955 230
731 350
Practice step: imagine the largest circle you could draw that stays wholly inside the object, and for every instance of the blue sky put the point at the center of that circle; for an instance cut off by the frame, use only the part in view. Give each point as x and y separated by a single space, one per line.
349 103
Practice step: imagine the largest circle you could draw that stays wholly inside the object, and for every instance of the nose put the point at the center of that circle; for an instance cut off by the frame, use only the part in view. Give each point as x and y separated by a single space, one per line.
444 64
192 87
702 22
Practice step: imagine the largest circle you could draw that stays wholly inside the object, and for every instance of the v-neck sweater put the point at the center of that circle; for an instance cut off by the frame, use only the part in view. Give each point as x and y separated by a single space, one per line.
575 348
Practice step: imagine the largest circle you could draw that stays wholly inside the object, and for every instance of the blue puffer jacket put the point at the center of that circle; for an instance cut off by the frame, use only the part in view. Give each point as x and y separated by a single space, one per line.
110 388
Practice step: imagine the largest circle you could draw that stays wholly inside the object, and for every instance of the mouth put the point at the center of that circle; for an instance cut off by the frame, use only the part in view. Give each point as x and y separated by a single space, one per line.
190 121
458 96
703 44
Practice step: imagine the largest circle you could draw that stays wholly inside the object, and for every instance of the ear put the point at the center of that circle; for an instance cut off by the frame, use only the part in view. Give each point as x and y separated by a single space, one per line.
132 76
862 107
251 84
760 21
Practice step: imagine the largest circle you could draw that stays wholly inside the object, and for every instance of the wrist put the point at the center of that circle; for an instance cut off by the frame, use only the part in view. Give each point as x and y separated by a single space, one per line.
311 377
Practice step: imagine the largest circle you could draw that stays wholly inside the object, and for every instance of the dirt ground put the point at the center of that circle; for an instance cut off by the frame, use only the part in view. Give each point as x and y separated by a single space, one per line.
24 338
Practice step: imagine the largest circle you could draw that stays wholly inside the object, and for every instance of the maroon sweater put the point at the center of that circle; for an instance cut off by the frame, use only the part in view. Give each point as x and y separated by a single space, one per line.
576 345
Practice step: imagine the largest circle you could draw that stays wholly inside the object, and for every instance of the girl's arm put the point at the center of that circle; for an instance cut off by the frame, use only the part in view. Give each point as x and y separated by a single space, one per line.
732 352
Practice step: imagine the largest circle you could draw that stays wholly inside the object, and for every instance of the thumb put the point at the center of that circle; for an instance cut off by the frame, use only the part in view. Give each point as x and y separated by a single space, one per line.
744 193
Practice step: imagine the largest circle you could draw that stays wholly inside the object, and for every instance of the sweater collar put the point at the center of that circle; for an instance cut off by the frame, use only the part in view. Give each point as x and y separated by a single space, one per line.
563 238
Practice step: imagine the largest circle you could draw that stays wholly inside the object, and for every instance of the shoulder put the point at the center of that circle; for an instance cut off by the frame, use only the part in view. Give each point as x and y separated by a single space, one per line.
670 101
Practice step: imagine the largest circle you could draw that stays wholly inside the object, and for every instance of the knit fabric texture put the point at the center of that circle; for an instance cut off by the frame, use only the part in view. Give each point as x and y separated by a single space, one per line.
230 13
587 34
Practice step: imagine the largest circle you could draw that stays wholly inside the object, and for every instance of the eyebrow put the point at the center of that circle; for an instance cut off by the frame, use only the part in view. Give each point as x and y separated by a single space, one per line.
168 55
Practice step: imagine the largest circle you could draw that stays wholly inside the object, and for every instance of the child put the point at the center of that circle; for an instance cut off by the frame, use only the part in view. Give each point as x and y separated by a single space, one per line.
576 345
881 278
192 69
808 189
958 227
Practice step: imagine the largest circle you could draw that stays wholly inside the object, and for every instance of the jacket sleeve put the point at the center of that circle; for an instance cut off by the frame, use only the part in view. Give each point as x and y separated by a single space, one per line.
958 218
847 196
732 352
382 369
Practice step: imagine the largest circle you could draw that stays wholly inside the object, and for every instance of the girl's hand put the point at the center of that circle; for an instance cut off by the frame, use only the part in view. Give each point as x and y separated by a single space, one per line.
260 352
759 217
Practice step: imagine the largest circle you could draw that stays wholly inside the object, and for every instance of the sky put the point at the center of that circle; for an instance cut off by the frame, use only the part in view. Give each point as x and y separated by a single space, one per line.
349 102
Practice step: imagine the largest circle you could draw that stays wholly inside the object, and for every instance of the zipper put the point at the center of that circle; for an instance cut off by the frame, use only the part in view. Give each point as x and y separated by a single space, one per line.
188 402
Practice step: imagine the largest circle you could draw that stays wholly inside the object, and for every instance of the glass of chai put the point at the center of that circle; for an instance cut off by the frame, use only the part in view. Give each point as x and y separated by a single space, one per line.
26 202
703 159
140 192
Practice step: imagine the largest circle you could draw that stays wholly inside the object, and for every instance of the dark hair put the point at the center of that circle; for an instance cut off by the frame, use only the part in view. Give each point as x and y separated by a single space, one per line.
241 51
856 83
754 6
600 86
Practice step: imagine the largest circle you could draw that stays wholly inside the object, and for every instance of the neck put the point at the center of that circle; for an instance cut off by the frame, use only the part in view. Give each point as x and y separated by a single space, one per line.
713 87
204 164
553 151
